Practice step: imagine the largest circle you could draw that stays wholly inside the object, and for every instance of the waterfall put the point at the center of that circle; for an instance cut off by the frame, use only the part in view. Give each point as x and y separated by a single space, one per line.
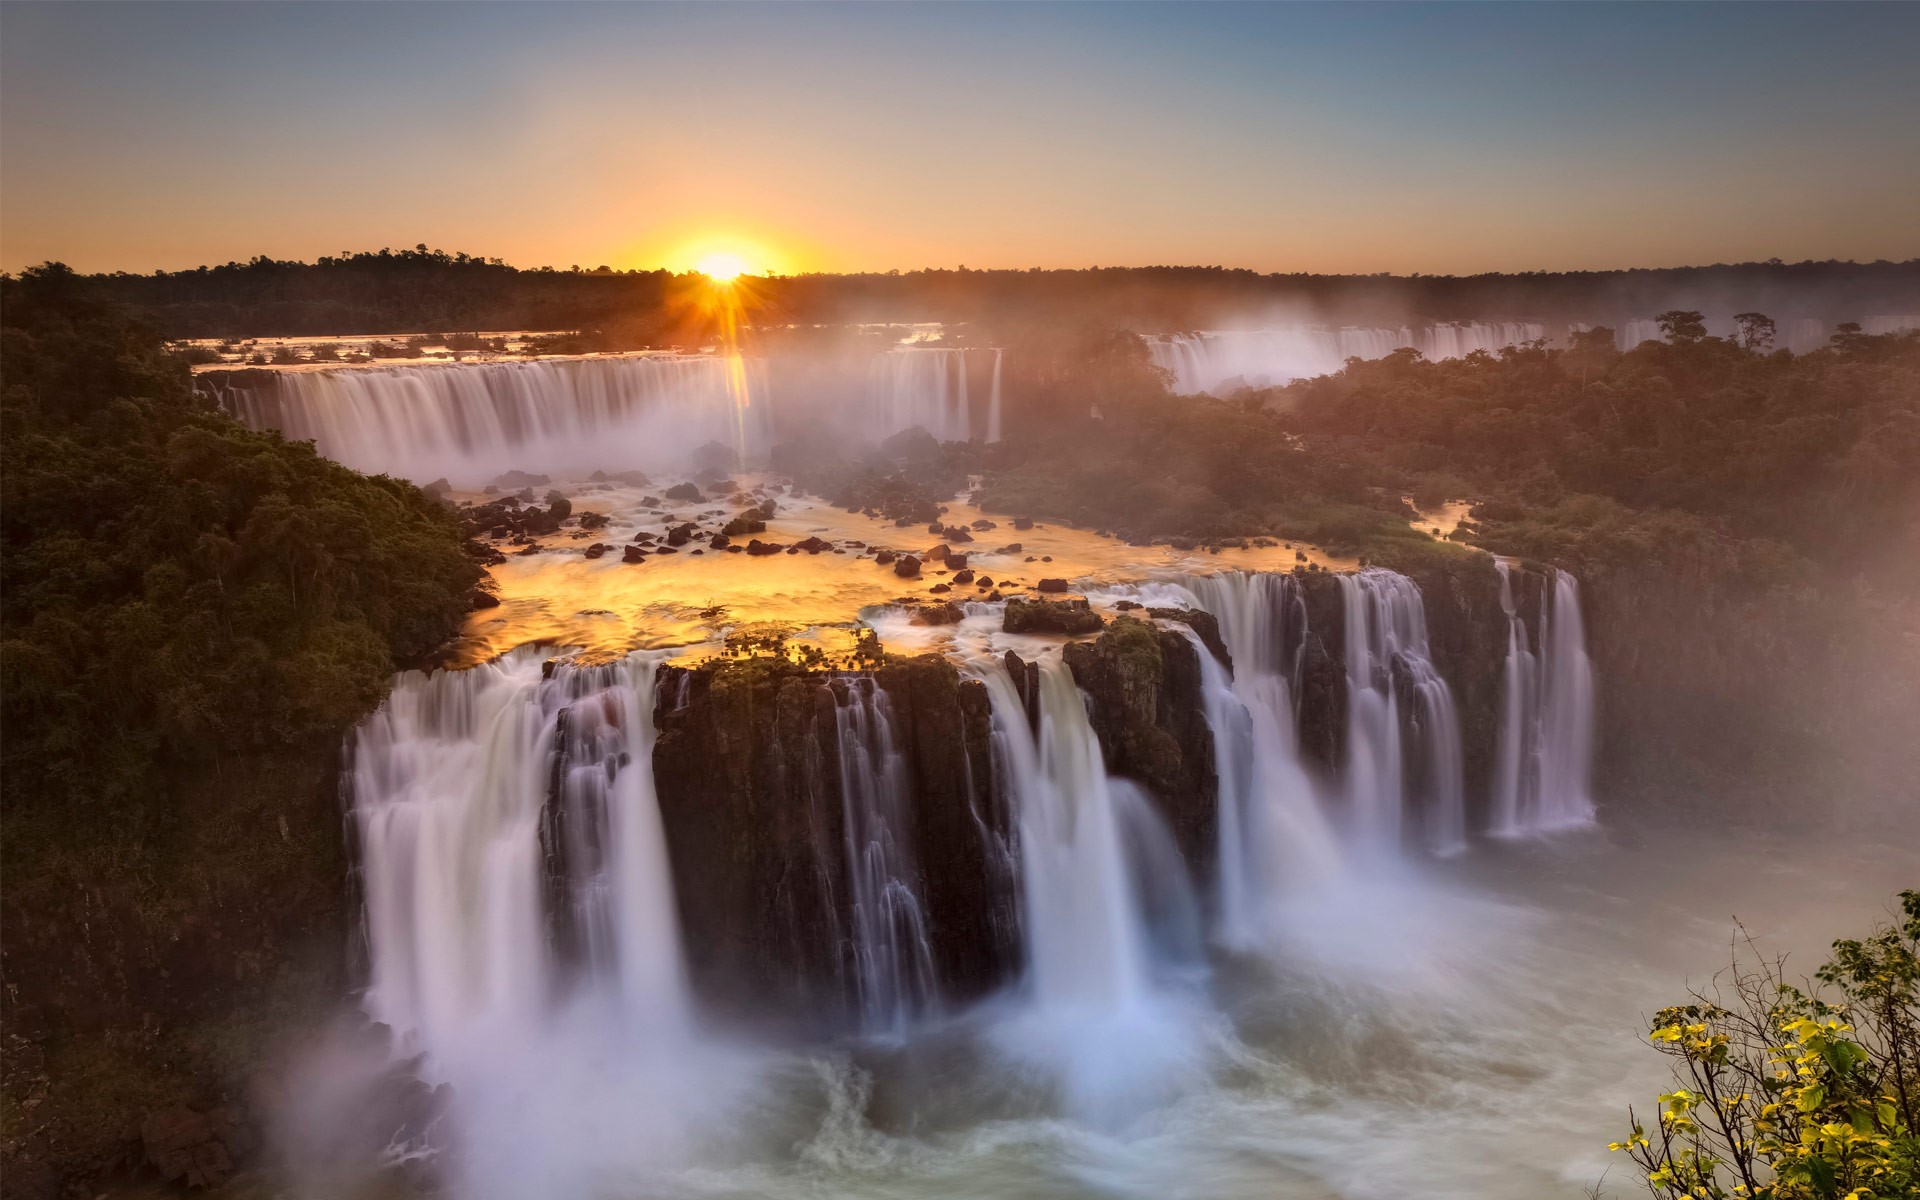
893 962
1543 772
1202 362
1110 924
468 422
1273 835
1387 655
993 401
912 385
503 819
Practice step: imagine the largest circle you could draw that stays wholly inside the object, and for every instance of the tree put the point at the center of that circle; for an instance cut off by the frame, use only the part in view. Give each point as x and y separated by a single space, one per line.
1794 1095
1756 331
1681 325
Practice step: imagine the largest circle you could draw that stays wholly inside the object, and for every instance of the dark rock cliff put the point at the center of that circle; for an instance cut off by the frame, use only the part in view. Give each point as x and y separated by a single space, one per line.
1143 684
749 780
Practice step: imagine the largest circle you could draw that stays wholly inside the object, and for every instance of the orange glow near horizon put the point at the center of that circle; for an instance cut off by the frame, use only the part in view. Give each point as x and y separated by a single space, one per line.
723 266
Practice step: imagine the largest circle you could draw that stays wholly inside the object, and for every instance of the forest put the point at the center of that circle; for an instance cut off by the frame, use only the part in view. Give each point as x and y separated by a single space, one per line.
434 291
194 614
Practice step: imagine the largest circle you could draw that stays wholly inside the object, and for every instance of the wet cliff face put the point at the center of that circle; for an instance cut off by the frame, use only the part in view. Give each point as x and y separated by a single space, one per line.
749 780
1143 688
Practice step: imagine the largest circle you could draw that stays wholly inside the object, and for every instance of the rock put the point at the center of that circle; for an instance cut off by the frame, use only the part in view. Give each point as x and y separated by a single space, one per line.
1046 558
883 557
597 549
813 545
1014 548
1052 585
1070 617
477 600
767 509
913 444
963 576
526 550
936 553
633 554
936 528
439 487
956 562
191 1148
719 541
1023 522
666 550
525 494
1202 623
1126 605
941 588
985 581
943 613
518 480
955 533
715 457
907 566
593 520
758 547
1143 698
681 534
745 524
684 491
983 524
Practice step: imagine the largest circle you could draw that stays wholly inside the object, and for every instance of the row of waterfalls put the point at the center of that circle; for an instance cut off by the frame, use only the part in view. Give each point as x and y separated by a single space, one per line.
470 422
518 854
1224 360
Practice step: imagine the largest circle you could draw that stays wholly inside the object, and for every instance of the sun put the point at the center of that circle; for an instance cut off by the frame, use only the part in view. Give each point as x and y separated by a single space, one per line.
723 266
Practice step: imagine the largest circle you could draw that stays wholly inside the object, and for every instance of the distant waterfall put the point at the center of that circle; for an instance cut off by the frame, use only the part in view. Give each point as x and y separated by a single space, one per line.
503 820
930 387
1273 834
1388 660
468 422
1202 362
893 962
1543 773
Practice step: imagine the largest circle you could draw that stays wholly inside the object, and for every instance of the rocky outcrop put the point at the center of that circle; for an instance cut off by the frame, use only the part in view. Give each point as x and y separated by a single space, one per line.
748 775
1143 688
1069 617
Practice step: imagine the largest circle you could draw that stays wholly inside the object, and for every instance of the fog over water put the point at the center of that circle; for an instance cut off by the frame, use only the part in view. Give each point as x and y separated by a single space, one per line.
1380 983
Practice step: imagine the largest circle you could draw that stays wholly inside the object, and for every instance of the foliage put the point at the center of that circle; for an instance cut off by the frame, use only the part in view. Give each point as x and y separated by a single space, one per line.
191 617
177 586
1789 1094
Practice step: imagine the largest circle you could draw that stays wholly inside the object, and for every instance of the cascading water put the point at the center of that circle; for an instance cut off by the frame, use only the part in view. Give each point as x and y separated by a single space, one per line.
1274 836
503 817
929 387
1387 652
1201 362
1092 922
1543 772
893 963
469 422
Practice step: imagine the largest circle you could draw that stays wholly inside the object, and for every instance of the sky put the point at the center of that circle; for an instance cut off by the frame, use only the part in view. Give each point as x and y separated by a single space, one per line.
1341 138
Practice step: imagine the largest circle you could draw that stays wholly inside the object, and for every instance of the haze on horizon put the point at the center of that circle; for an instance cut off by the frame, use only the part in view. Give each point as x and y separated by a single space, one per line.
1430 138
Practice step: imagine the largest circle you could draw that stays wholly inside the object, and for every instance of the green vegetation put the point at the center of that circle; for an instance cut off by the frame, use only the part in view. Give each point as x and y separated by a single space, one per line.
1787 1094
193 616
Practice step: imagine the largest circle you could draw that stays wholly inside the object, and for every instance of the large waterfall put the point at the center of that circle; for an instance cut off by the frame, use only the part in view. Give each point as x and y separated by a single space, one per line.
469 422
507 823
1388 665
1544 766
893 963
1202 362
932 388
1274 835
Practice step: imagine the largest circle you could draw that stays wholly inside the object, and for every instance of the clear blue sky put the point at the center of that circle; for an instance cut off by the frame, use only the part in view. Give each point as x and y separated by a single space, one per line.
1376 137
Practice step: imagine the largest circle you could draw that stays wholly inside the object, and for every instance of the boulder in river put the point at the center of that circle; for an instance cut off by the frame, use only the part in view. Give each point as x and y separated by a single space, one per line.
1052 585
633 554
906 566
516 480
1070 617
684 491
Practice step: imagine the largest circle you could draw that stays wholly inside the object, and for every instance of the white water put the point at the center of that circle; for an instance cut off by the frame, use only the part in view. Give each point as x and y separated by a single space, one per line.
893 964
451 780
1386 632
930 388
1202 362
1099 877
1275 839
1543 772
469 422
